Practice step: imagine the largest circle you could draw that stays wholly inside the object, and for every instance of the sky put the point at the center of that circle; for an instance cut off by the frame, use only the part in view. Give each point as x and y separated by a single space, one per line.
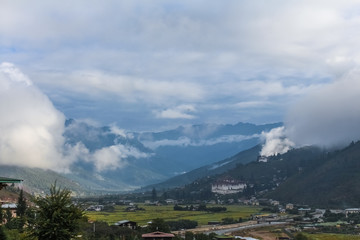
152 65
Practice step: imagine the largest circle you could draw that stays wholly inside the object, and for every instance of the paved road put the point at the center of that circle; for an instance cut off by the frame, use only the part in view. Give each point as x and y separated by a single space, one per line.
228 230
220 230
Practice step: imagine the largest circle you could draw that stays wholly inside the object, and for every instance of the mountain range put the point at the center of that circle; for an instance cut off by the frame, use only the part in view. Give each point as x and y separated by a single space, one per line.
115 160
308 175
213 169
194 157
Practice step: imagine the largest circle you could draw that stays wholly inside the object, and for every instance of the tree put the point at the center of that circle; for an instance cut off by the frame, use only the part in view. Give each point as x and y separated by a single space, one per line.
301 236
1 216
153 194
2 234
57 218
8 216
21 205
182 224
160 225
189 235
201 236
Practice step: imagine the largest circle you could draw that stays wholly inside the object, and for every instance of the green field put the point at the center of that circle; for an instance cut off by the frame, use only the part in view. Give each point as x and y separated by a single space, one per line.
328 236
167 213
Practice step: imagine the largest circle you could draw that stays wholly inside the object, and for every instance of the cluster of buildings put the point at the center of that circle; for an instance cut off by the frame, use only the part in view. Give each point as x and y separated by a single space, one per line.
6 204
96 208
228 186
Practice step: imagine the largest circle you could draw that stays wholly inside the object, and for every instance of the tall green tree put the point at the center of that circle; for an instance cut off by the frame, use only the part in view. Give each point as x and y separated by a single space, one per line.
57 218
153 194
21 205
8 216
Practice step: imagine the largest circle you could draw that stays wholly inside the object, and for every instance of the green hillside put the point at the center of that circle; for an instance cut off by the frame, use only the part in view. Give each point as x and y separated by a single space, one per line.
307 175
210 170
331 180
37 180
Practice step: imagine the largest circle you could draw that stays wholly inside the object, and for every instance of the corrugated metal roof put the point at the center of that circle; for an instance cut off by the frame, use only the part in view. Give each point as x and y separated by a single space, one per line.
124 221
9 205
10 180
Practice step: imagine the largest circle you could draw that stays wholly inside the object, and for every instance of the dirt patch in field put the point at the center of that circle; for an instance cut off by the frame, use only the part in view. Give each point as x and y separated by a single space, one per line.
262 233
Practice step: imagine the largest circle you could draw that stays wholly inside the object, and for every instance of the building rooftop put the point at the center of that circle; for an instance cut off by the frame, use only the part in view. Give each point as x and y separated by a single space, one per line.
124 221
10 180
5 180
9 205
158 235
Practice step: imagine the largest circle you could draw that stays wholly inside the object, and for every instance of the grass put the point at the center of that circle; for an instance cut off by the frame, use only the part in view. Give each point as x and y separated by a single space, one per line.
167 213
330 236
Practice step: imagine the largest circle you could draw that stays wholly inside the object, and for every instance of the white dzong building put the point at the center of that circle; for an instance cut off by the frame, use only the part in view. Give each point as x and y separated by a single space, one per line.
228 186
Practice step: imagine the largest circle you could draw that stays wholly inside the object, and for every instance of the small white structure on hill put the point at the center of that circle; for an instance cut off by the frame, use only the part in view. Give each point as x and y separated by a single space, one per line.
289 206
262 159
228 186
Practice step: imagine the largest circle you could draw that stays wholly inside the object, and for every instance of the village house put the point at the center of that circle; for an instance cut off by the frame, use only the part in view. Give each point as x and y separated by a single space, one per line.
289 206
337 211
10 206
228 186
4 181
126 223
96 208
170 201
303 211
351 210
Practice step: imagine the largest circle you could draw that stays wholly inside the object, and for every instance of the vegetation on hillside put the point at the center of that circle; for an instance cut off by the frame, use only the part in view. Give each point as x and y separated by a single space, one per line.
326 181
308 176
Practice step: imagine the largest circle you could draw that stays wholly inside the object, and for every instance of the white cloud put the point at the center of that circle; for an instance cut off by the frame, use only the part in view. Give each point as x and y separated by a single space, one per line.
251 104
172 53
114 157
182 111
122 87
186 141
199 132
329 116
116 130
276 142
31 128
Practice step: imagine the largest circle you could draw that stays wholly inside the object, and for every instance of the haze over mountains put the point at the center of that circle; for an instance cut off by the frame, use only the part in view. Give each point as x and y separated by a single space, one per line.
110 159
311 175
36 141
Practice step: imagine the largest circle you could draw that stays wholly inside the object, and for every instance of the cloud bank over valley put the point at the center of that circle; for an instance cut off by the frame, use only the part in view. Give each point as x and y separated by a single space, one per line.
328 117
32 131
31 127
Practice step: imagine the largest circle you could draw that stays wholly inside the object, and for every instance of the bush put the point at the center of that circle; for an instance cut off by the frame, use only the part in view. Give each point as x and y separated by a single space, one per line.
301 236
182 224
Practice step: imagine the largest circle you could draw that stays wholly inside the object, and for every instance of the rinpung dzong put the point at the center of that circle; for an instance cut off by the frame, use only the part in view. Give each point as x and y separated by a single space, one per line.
228 186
